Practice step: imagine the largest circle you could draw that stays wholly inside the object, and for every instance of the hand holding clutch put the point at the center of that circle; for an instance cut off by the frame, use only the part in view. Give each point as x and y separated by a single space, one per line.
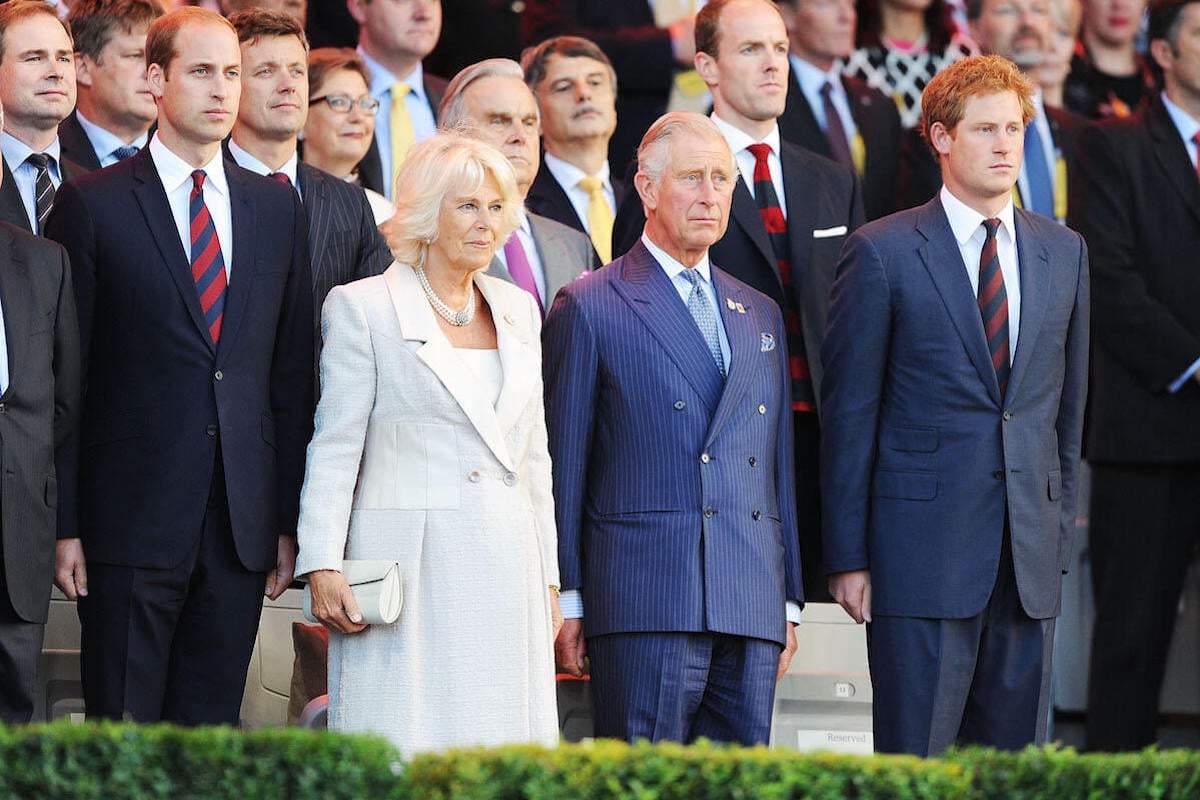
364 592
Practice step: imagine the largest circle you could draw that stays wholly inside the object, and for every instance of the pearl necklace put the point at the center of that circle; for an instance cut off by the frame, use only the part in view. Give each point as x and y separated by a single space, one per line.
455 318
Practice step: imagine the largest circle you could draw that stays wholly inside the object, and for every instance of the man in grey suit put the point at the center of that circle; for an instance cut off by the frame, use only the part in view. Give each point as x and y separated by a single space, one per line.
955 375
39 399
490 101
343 242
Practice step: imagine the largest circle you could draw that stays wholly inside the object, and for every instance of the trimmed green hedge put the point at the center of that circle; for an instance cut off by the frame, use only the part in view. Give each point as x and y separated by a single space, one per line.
123 761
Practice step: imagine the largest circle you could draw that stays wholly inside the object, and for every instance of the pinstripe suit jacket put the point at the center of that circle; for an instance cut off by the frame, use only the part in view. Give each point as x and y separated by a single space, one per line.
673 488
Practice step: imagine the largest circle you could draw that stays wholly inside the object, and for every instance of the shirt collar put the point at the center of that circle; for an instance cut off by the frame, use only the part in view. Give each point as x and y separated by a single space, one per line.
243 159
1185 123
104 141
739 140
382 79
671 265
812 79
965 221
569 175
16 151
174 172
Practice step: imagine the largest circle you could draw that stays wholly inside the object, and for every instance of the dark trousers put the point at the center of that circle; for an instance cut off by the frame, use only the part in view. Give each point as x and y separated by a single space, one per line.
173 644
680 687
807 440
1143 528
20 650
983 680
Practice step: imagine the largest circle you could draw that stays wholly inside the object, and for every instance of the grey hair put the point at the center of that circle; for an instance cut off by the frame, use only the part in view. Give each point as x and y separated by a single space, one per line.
452 112
654 152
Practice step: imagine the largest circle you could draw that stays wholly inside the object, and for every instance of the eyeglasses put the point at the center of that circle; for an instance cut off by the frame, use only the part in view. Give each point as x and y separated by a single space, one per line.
342 103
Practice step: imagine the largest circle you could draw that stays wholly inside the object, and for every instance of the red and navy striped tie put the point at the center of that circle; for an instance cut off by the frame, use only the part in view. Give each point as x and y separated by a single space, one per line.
803 396
208 266
993 303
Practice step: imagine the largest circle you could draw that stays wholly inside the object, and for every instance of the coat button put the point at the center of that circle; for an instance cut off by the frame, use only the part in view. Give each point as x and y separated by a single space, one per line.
510 479
998 474
708 512
2 408
757 515
219 375
762 409
753 461
211 430
473 476
680 405
1007 416
704 458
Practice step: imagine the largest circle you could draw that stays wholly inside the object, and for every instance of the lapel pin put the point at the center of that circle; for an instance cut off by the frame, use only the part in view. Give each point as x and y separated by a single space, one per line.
767 342
741 309
509 318
730 304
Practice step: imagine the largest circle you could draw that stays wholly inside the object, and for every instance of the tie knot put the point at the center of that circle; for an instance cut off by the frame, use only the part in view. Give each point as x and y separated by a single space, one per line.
123 152
400 90
591 184
692 276
760 152
1196 138
281 177
38 160
198 177
826 89
991 226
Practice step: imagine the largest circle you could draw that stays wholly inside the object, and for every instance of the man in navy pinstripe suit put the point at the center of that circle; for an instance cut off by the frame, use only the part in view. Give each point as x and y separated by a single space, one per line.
668 407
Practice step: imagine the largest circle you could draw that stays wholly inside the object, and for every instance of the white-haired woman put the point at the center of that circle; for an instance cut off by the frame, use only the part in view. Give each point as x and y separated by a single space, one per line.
430 450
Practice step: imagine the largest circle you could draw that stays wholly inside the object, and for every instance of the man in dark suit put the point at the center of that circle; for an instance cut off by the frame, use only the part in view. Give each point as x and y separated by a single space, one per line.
490 101
39 398
955 378
114 109
667 405
791 212
182 486
1136 198
37 90
649 43
849 122
575 86
1017 30
393 38
343 242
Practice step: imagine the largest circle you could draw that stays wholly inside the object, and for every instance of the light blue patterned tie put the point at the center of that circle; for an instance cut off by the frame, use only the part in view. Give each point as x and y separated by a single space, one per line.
1041 185
123 152
705 316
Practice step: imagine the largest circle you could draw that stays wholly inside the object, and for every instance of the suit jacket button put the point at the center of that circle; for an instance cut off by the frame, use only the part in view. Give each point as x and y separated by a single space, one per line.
473 476
211 430
998 474
510 479
680 405
708 512
1007 416
757 515
762 409
219 375
753 461
704 458
2 409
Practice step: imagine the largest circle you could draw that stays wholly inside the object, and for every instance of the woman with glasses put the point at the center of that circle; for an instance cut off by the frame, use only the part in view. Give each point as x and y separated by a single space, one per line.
341 118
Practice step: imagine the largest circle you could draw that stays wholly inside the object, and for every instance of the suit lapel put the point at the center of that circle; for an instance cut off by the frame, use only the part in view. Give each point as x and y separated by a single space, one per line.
743 347
245 261
555 257
801 217
944 262
12 207
1172 156
315 196
16 299
744 213
652 296
417 323
152 200
1033 262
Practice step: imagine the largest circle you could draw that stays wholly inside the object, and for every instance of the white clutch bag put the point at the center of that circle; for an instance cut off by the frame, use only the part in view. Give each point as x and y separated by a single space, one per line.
377 589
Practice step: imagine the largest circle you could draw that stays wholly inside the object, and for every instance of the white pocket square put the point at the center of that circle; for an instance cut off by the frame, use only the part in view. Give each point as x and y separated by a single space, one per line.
827 233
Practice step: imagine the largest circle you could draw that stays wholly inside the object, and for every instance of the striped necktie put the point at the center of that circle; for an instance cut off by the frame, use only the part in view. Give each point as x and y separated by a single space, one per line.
803 396
43 187
208 265
993 303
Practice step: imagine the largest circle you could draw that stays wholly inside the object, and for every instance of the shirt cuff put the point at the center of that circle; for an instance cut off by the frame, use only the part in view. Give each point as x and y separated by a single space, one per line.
793 612
570 603
1185 377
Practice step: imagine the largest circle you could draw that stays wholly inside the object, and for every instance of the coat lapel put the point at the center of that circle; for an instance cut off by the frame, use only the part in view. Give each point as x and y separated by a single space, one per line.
1172 157
245 261
743 212
1033 261
801 217
518 358
417 323
743 347
16 299
944 263
152 200
316 203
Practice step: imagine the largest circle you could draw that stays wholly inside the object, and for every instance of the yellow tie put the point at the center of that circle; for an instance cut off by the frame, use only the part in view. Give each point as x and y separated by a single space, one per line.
600 220
402 129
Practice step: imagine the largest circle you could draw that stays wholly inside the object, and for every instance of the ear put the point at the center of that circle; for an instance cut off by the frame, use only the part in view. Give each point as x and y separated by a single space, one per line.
1162 52
156 77
941 138
83 70
646 189
706 65
356 11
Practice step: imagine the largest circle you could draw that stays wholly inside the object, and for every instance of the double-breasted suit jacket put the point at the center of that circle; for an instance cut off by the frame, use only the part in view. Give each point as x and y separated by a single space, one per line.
411 462
673 487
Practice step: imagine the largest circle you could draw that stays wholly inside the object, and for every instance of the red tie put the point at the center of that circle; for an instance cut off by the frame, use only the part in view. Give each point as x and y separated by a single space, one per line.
803 396
208 266
1196 139
281 177
993 303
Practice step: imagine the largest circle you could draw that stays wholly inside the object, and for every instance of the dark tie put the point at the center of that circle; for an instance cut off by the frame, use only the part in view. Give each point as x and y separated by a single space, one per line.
835 132
123 152
993 303
43 188
208 266
1196 139
803 397
281 177
520 269
1037 171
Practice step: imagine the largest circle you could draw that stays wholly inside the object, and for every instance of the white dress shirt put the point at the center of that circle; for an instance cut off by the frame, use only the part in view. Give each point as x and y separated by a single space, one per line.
524 234
105 142
176 177
568 177
738 141
967 225
25 174
416 101
246 161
